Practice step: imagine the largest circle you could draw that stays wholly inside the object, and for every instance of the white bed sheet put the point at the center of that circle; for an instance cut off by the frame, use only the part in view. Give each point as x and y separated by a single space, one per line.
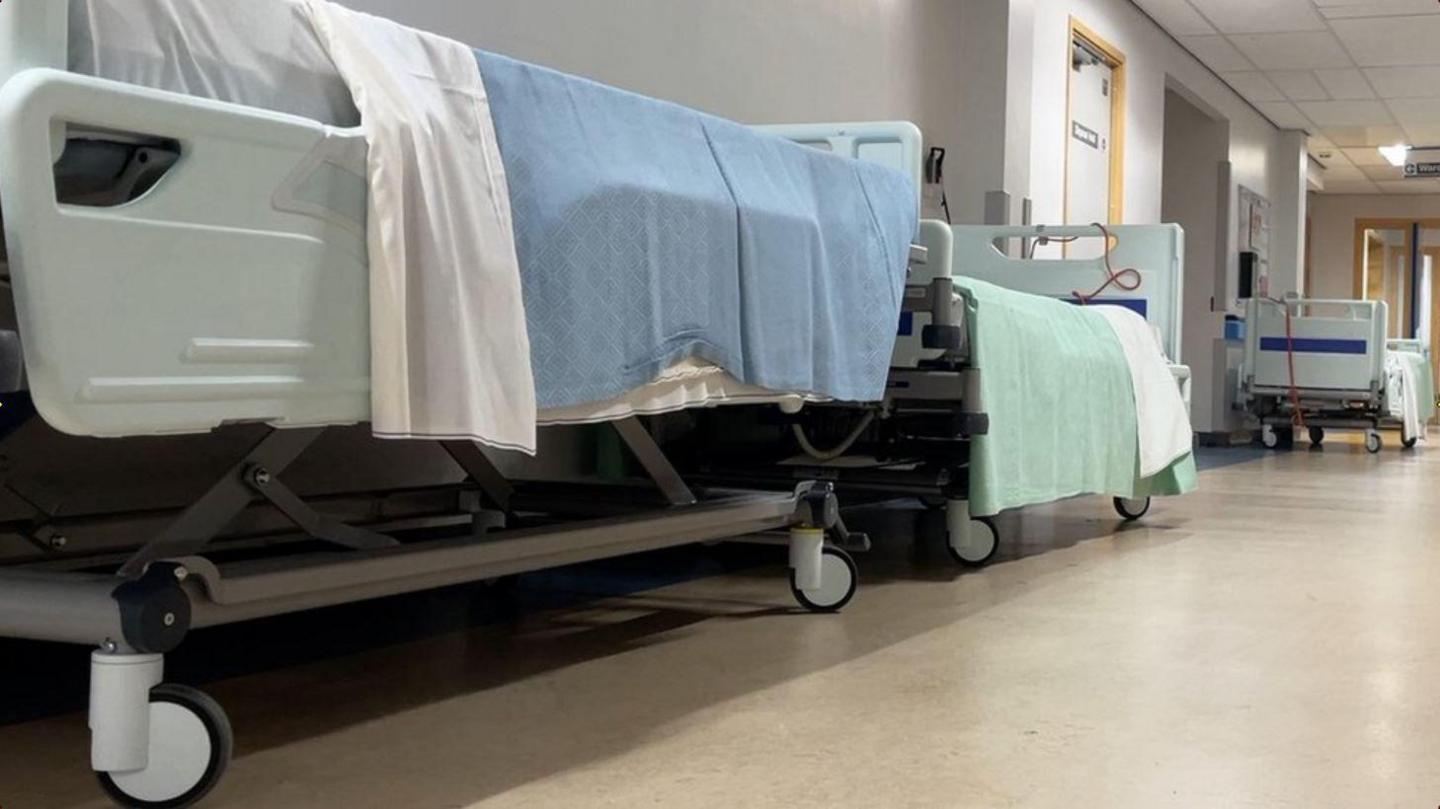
261 53
264 53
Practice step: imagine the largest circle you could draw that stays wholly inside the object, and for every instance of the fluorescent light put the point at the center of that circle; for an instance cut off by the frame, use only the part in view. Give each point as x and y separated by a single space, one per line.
1395 155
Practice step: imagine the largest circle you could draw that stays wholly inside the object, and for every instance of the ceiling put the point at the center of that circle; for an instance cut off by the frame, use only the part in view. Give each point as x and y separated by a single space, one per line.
1355 74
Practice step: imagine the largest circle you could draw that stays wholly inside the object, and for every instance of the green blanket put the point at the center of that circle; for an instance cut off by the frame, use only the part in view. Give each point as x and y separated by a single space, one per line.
1056 386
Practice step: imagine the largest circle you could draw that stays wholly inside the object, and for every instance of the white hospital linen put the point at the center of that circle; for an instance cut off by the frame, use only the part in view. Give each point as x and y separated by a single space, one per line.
1164 425
1403 395
450 355
690 383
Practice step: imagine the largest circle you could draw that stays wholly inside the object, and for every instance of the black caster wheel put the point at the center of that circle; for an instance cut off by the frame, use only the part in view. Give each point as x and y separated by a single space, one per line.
1373 442
1131 509
1278 438
1317 436
1409 443
980 546
839 579
191 743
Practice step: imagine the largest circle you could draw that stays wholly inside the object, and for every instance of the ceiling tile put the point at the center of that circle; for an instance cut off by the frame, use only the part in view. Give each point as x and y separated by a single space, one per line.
1253 85
1331 158
1375 136
1299 85
1176 16
1405 82
1319 143
1283 114
1341 9
1345 84
1384 41
1365 156
1269 16
1216 52
1301 51
1422 134
1351 187
1345 113
1409 187
1385 172
1342 172
1415 110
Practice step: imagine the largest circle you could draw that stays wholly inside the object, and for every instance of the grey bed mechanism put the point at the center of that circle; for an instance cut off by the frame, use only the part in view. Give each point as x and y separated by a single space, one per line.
87 237
917 442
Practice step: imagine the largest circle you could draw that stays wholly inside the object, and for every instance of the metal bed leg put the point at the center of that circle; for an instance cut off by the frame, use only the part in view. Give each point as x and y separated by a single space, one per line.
650 456
470 458
206 517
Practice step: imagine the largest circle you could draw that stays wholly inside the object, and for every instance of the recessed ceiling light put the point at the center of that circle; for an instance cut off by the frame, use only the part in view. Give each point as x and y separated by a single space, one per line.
1395 155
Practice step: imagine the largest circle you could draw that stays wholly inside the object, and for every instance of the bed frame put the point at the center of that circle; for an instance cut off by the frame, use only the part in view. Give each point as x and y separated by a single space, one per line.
917 442
250 307
1338 348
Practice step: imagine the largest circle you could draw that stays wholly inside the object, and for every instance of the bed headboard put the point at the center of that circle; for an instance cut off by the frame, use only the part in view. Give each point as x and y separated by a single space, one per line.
896 144
33 33
1155 251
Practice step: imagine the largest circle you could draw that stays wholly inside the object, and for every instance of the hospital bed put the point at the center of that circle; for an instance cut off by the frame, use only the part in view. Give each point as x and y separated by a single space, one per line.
919 442
1324 362
182 265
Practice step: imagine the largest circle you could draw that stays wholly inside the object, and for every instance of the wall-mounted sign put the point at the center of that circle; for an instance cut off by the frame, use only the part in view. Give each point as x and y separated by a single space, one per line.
1422 164
1085 134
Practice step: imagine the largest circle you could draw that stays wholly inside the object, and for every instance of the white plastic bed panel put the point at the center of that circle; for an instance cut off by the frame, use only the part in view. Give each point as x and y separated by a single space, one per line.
895 144
1339 345
1156 252
234 290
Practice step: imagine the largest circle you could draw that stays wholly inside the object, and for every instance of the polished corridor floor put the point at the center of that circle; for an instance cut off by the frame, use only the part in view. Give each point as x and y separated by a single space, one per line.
1273 641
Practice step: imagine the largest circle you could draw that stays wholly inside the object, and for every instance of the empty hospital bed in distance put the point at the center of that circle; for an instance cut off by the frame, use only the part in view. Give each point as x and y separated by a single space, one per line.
1327 363
975 427
182 264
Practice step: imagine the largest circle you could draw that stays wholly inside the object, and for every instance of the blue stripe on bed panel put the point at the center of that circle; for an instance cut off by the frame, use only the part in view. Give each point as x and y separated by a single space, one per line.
1314 345
1139 306
907 324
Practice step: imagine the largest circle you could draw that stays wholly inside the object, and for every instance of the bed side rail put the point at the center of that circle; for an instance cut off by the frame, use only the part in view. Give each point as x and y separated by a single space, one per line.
896 144
1338 345
1156 252
234 289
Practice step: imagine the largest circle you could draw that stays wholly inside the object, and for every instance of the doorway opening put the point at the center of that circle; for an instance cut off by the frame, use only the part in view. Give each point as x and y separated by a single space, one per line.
1396 261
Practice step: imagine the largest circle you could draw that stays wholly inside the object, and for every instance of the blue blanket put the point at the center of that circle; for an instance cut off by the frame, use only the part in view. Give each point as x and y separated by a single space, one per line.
648 233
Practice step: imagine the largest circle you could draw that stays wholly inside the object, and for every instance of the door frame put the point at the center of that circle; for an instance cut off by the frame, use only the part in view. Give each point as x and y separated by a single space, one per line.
1115 59
1406 225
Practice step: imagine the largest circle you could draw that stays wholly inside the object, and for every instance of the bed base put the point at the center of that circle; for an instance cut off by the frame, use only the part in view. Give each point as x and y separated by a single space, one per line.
186 577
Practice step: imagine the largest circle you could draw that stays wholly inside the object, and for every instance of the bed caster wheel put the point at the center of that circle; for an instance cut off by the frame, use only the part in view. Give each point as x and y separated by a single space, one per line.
190 748
1317 436
1277 437
839 579
1410 443
1373 442
978 546
1131 509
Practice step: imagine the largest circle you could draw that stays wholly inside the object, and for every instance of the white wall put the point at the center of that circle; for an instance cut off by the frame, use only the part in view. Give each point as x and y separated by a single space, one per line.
937 63
1261 156
1332 229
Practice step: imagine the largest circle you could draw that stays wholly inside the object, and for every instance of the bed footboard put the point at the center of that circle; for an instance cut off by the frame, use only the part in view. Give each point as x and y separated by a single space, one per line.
1338 347
232 289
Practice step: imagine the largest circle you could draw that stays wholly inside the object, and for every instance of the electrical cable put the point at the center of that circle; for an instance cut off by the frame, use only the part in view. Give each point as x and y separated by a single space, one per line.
844 446
1113 277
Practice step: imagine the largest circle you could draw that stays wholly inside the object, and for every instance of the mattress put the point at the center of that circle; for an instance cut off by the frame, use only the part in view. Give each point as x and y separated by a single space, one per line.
263 54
